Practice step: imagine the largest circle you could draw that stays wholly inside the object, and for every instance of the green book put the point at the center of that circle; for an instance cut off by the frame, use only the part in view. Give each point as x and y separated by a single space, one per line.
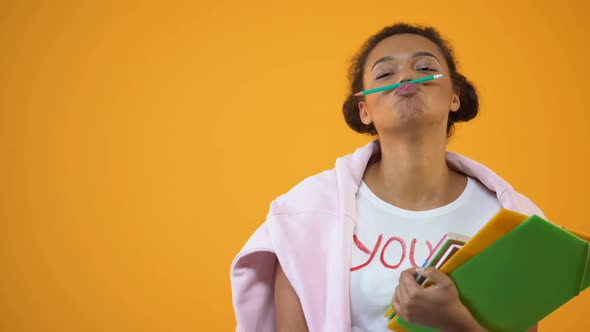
522 277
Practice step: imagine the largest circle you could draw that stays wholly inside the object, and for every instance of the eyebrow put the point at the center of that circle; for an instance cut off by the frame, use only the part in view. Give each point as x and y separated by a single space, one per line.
415 55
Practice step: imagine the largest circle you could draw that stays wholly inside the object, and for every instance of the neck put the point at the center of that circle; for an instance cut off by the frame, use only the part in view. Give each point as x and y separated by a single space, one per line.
413 173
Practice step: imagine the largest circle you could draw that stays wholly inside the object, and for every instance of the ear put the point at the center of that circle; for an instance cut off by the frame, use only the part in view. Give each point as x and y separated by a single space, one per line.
455 101
364 113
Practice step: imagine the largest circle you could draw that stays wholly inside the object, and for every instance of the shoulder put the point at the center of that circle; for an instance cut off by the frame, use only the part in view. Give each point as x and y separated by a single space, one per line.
330 191
527 206
315 194
505 192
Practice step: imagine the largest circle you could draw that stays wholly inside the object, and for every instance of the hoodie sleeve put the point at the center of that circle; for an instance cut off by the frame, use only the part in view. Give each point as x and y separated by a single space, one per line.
252 277
529 208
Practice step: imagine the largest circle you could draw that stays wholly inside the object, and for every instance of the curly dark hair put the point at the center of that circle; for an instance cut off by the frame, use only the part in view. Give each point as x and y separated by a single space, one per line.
467 94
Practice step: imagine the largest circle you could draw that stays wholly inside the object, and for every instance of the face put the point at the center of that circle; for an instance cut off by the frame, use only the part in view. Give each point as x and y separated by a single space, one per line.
418 108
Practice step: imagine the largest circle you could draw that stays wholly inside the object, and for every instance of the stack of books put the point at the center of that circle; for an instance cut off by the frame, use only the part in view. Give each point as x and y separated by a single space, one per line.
512 273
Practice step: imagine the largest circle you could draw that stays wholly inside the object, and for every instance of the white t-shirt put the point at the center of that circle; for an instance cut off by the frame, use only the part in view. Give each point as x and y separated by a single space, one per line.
389 240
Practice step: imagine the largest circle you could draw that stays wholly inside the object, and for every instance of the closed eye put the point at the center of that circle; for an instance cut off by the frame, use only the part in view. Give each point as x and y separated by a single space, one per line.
426 69
384 75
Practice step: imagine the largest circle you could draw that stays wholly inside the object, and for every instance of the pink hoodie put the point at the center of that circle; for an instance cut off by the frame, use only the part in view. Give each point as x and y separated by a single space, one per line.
309 230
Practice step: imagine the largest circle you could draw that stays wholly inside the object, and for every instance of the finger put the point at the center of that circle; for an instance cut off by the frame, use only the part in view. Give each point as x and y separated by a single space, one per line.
396 305
435 276
408 281
402 295
407 277
409 274
396 295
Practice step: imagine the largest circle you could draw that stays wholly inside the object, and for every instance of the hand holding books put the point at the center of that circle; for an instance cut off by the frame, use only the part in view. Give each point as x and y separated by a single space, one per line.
515 271
437 306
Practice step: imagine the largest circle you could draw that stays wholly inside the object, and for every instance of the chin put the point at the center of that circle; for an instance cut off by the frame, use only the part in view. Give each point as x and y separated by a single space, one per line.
409 112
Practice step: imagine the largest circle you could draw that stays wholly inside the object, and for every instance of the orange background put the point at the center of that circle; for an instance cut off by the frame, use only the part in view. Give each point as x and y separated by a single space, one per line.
142 145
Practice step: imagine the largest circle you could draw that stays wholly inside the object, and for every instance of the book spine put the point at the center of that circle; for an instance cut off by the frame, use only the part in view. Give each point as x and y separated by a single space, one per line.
585 274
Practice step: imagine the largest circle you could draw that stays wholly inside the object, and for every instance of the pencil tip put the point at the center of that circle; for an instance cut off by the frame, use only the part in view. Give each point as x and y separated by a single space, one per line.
358 94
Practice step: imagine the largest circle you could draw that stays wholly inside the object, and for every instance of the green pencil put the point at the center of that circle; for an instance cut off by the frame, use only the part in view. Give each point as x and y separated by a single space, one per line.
393 86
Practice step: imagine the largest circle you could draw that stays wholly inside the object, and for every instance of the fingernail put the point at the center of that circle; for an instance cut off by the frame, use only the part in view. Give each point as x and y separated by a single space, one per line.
420 269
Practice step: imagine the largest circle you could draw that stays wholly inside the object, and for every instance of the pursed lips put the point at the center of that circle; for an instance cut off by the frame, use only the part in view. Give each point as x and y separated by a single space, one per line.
407 88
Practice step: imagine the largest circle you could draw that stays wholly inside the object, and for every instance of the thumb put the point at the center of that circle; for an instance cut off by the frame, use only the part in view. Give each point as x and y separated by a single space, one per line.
437 277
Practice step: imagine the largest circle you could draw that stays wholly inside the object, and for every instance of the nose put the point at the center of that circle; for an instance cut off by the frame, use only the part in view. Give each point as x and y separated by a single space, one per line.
405 74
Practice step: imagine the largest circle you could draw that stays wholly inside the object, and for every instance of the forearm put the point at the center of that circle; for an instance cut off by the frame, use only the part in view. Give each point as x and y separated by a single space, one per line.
289 315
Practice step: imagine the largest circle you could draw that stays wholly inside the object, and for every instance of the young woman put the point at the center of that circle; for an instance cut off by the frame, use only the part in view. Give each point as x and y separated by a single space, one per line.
343 245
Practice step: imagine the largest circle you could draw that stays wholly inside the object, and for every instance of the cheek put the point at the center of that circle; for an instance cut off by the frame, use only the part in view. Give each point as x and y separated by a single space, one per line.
444 94
375 100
